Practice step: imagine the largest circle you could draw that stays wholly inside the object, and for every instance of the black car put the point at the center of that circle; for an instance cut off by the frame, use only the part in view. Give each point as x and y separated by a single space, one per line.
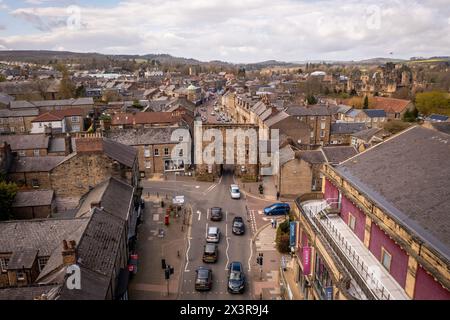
216 214
238 226
203 279
236 278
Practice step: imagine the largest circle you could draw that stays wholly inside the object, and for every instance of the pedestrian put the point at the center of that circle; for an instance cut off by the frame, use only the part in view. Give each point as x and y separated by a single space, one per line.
275 224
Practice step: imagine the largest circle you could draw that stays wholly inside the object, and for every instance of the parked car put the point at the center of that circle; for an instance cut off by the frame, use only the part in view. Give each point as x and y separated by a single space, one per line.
210 253
213 235
238 226
216 214
236 278
213 113
203 279
277 209
235 192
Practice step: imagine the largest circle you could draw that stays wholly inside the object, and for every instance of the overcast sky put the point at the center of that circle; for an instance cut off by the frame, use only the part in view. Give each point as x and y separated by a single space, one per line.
231 30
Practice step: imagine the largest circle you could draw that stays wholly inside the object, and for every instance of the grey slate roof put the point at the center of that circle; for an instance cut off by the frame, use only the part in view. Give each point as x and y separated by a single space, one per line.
26 141
143 136
21 104
347 127
25 293
286 154
36 164
33 198
120 152
312 156
8 113
314 110
335 155
43 235
115 197
22 259
409 177
367 134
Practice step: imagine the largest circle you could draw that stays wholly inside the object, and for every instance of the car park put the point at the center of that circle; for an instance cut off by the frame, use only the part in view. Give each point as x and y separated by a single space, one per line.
210 253
203 279
236 278
213 235
277 209
238 226
216 214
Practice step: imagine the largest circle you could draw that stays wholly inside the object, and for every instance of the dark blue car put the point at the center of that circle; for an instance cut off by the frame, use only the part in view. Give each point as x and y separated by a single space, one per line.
277 209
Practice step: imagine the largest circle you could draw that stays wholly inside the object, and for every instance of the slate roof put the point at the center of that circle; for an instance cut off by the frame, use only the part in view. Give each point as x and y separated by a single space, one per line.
39 234
120 152
375 113
36 164
33 198
115 197
314 110
26 293
312 156
276 118
286 154
8 113
335 155
26 141
408 176
367 134
51 103
347 127
23 258
144 136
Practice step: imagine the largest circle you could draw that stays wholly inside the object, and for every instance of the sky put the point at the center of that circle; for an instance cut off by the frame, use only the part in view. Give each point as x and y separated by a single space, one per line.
238 31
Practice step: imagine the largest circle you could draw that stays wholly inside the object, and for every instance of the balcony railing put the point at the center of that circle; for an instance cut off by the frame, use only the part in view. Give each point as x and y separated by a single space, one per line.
322 220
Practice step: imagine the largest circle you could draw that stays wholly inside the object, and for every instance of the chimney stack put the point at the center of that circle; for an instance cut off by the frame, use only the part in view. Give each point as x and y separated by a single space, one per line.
89 145
69 253
96 204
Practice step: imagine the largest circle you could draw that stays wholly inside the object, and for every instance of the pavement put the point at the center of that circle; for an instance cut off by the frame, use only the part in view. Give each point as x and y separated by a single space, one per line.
149 283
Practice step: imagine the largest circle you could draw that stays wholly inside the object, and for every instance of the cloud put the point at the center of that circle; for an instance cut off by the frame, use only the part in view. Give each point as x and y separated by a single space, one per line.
243 31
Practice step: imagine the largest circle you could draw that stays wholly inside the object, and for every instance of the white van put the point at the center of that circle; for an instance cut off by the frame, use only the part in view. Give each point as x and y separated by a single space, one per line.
213 235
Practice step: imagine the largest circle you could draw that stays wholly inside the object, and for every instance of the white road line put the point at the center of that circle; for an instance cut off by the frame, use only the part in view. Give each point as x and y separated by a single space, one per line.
228 258
226 230
251 254
206 231
189 244
207 214
226 215
199 214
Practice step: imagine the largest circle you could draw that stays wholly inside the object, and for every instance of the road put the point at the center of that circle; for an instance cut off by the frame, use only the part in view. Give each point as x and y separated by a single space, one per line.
207 108
149 283
231 247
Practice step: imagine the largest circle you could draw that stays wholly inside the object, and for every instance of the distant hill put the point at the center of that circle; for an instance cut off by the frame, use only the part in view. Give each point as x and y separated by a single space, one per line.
44 56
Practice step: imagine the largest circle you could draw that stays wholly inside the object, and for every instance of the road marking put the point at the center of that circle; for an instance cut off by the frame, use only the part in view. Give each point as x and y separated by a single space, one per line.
189 244
226 215
207 214
226 230
228 258
206 230
199 214
251 254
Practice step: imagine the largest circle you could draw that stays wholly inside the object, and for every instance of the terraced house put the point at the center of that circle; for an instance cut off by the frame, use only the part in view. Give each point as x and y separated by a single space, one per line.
379 229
